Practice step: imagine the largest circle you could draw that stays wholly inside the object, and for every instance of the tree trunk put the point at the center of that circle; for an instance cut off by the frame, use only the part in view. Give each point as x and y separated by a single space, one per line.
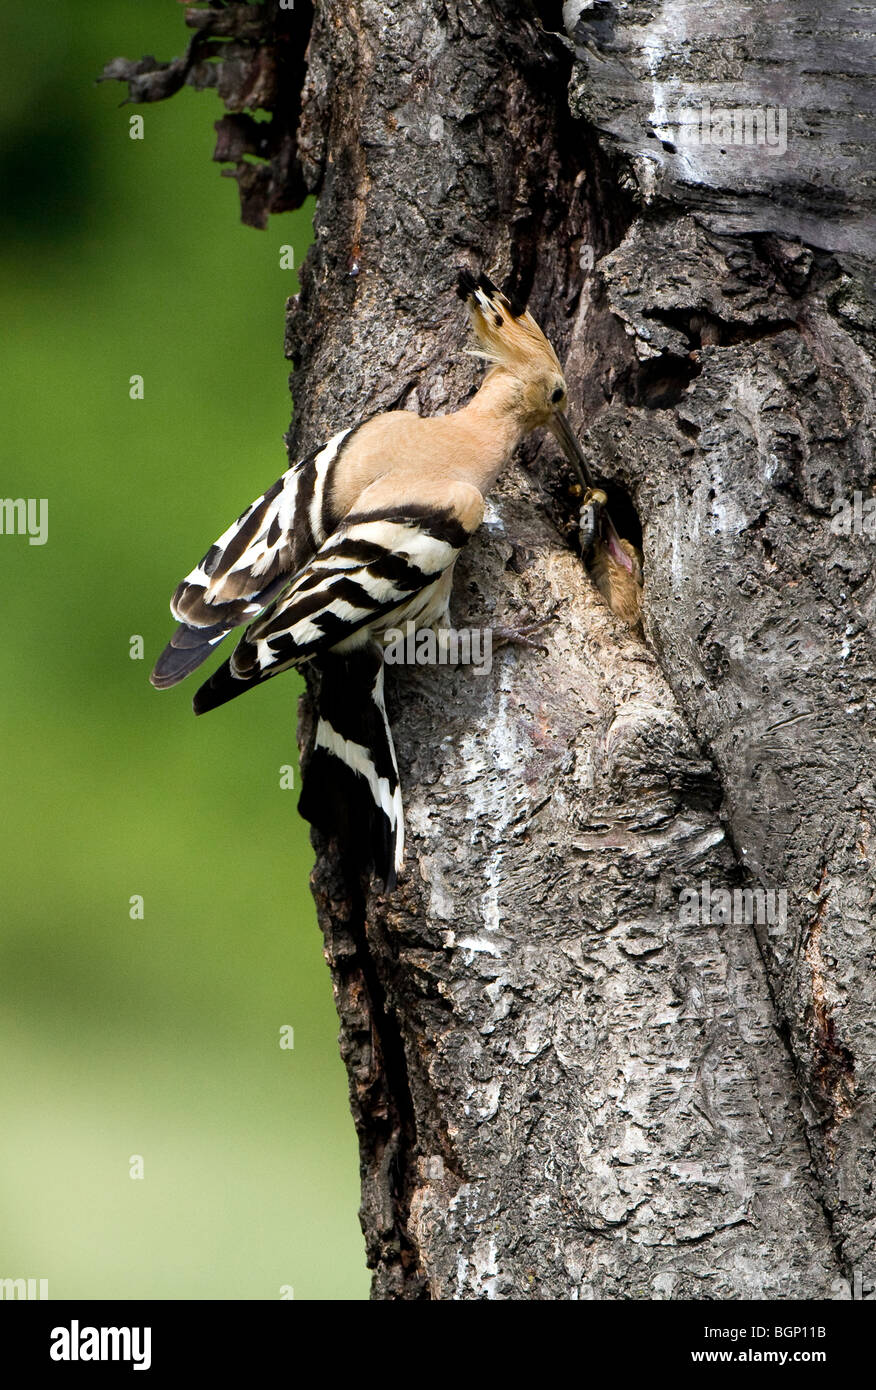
571 1078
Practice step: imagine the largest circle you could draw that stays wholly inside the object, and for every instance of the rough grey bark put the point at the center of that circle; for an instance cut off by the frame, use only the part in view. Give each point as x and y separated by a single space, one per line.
563 1090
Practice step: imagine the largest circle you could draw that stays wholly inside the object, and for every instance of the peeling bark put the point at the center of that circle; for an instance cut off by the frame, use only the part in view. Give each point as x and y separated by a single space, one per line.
562 1088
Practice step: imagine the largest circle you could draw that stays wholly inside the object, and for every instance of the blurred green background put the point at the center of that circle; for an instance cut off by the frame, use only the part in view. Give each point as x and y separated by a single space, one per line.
156 1037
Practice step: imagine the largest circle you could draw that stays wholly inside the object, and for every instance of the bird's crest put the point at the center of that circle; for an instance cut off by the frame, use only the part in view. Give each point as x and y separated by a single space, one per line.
506 333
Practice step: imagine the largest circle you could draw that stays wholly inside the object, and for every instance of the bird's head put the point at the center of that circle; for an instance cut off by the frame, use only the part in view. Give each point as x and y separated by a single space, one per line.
510 340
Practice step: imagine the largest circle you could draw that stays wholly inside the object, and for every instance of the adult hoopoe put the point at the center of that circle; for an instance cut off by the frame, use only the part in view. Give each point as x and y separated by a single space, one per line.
358 537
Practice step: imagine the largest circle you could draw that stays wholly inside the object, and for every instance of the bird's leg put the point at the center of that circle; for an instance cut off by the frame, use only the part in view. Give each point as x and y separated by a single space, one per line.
521 634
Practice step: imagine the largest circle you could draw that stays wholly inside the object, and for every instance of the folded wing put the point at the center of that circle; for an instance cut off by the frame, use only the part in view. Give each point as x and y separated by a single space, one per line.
379 564
251 563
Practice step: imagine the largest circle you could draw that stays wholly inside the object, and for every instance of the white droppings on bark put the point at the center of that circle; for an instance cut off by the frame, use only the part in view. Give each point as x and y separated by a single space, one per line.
476 944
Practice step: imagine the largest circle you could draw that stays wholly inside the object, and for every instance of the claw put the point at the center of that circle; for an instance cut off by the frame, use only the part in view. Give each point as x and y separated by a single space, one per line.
522 635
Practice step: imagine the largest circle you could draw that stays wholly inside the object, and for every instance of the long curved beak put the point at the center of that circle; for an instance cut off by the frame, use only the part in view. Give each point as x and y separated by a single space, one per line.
562 431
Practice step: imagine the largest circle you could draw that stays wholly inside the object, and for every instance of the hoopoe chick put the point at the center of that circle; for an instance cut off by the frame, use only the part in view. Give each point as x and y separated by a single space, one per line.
614 564
358 537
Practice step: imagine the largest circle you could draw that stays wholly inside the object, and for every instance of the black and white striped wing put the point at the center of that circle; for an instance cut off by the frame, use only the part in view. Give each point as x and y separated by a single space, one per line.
373 565
250 564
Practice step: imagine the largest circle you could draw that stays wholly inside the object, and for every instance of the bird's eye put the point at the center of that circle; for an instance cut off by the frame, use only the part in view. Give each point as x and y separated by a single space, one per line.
558 395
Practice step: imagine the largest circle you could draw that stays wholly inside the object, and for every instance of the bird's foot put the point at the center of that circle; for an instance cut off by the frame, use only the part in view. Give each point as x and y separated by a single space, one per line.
521 633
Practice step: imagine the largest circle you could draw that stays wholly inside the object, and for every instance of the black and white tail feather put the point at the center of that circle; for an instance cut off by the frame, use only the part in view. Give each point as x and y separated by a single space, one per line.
372 569
352 787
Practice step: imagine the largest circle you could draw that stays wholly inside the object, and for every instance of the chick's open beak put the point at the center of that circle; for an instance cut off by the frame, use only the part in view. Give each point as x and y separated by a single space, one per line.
613 541
562 431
